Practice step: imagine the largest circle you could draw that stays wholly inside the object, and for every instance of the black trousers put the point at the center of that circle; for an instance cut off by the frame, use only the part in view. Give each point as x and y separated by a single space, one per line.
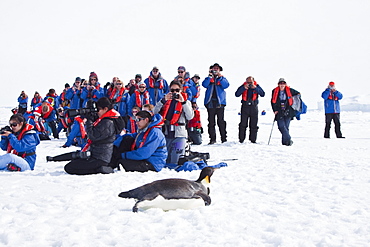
248 113
336 118
84 166
136 165
212 113
53 127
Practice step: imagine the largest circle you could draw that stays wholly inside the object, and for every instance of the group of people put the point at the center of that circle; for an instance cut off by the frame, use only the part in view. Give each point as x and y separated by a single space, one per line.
144 125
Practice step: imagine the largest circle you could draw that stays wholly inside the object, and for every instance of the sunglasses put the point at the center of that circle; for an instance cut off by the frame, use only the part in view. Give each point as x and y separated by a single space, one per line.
118 83
282 82
14 124
155 70
93 79
180 72
175 90
142 87
139 119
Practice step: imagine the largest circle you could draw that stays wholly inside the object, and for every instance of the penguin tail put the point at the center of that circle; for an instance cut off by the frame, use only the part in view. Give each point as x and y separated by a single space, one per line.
125 194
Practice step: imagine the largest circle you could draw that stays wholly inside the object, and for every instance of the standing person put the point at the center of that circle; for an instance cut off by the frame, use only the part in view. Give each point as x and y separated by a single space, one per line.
22 102
156 85
119 98
37 99
215 102
331 98
20 144
176 111
195 88
249 111
52 98
144 150
281 102
63 100
74 94
92 90
108 87
139 98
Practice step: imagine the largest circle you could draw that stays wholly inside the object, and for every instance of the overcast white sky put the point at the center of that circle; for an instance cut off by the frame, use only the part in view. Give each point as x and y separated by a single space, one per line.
45 44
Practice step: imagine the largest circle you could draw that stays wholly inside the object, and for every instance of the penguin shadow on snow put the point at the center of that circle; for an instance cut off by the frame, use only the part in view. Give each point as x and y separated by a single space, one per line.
173 193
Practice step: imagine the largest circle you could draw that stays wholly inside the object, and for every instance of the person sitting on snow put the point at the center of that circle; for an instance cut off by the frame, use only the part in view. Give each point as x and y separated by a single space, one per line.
20 142
144 150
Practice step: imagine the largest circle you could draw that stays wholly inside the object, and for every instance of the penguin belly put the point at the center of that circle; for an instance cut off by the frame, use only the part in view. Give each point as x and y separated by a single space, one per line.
171 204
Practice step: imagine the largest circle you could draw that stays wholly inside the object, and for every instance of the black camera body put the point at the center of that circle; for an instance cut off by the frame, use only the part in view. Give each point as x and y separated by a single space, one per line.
91 110
4 129
175 96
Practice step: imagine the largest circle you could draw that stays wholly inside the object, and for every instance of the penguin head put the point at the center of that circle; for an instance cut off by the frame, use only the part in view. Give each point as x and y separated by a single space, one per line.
205 175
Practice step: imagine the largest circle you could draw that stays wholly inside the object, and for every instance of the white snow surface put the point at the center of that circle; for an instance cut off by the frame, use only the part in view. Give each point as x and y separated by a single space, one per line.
314 193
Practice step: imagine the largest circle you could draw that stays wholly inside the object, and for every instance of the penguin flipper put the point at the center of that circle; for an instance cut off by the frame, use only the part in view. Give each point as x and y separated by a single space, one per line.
206 198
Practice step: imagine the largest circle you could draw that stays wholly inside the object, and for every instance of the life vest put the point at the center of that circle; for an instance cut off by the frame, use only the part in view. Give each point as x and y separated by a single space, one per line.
195 121
50 98
133 146
10 149
36 100
332 96
132 125
97 87
120 94
245 93
151 82
288 93
109 114
82 127
217 82
138 101
177 112
62 95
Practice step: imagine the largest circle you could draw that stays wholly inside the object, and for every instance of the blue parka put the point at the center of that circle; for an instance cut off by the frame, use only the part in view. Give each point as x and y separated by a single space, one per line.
22 101
154 149
75 134
194 88
132 101
27 144
74 95
155 93
220 85
95 94
331 105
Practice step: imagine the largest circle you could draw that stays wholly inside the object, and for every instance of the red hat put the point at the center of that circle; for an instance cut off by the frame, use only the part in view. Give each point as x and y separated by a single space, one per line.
331 83
93 74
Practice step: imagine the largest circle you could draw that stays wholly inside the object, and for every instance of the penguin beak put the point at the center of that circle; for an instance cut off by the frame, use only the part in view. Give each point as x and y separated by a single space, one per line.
207 179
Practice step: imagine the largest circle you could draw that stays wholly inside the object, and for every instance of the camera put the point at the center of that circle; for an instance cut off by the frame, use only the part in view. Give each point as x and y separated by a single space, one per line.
175 96
6 128
214 72
250 85
91 110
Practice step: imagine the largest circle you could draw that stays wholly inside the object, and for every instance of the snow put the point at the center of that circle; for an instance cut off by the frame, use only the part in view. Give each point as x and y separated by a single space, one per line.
314 193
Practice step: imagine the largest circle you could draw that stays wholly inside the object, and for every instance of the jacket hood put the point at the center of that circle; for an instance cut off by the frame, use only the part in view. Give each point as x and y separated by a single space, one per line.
156 120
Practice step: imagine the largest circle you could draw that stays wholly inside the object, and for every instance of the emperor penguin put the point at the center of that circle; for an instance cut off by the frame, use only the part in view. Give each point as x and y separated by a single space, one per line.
172 193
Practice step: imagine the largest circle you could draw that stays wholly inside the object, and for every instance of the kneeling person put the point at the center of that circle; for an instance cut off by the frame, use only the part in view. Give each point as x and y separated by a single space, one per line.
101 133
142 151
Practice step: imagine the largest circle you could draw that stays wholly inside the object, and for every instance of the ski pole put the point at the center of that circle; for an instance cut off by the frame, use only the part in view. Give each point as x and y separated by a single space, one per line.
271 131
